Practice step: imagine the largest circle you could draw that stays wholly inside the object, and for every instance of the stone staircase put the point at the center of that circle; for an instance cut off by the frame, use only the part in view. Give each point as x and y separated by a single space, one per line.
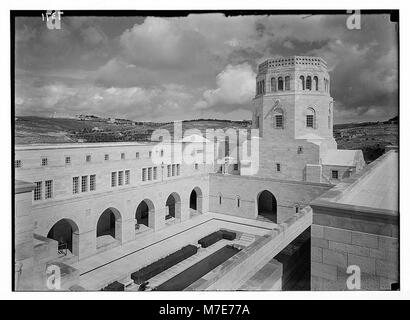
245 240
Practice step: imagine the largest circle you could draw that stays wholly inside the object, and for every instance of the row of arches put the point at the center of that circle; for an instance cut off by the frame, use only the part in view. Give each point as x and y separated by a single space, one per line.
283 84
66 231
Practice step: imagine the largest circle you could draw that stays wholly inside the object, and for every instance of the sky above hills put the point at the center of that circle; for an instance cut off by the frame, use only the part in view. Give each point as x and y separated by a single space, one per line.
199 66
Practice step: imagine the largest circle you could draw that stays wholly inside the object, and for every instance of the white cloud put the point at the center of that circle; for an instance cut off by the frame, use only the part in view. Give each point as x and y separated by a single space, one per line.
235 85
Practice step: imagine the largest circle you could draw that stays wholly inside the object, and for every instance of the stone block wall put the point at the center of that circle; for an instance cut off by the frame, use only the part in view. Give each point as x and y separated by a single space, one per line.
340 241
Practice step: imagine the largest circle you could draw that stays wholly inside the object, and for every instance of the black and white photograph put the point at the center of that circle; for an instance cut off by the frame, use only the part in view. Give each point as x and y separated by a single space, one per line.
204 151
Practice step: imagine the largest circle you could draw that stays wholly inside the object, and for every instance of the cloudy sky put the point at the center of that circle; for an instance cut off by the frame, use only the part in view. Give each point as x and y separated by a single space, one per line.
200 66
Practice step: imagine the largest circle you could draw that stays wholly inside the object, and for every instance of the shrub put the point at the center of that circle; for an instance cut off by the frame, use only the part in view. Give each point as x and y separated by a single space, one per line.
163 264
215 237
114 286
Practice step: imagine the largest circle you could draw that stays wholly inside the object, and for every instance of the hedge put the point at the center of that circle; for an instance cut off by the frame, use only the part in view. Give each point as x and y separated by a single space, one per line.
114 286
215 237
163 264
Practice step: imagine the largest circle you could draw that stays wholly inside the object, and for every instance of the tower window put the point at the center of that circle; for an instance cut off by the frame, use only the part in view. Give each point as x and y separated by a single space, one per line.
279 121
88 158
44 162
302 82
38 190
137 155
316 83
309 121
122 156
113 179
106 157
67 160
93 184
76 184
308 83
278 167
335 174
273 85
280 84
127 176
120 178
84 183
49 189
238 202
300 149
310 118
17 164
278 118
287 83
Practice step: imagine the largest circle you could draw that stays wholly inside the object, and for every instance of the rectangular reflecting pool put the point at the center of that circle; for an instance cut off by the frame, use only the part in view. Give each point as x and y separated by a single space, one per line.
198 270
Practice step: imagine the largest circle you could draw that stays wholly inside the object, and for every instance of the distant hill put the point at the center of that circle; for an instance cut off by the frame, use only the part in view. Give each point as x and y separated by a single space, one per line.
35 130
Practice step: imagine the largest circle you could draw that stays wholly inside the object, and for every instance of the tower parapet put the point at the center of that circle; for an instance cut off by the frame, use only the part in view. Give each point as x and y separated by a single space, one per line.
304 74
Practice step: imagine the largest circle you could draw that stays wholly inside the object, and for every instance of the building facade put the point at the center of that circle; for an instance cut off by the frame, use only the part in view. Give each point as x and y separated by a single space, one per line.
90 198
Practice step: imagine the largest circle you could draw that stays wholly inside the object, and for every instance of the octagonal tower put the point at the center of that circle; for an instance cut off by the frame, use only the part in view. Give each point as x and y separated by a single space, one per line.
293 110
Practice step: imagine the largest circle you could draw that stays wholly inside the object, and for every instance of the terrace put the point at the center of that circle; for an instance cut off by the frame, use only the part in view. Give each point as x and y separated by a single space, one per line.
117 264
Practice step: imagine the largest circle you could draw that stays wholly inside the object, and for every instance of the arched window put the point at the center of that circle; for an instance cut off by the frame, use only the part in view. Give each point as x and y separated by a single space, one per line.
287 83
273 84
263 86
302 82
278 118
308 83
280 84
310 118
316 83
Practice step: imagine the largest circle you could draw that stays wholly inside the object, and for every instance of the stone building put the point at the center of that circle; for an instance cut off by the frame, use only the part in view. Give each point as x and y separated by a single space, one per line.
90 208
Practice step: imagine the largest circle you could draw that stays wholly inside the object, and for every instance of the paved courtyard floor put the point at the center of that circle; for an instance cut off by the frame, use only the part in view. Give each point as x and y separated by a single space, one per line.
119 262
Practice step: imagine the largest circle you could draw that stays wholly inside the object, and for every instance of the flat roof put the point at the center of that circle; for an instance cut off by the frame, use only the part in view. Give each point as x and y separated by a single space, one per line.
373 189
78 145
340 158
379 188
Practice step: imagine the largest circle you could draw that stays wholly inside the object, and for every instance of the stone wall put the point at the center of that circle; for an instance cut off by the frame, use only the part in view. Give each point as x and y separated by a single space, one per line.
244 190
343 237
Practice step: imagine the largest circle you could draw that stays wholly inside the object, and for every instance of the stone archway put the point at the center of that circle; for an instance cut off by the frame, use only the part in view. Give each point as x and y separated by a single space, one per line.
173 206
145 213
109 224
195 200
267 206
66 233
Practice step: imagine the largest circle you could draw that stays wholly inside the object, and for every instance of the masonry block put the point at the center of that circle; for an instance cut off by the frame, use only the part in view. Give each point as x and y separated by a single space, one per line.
321 243
317 231
365 239
349 248
324 271
366 264
388 243
391 255
385 283
338 235
334 258
316 254
387 269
